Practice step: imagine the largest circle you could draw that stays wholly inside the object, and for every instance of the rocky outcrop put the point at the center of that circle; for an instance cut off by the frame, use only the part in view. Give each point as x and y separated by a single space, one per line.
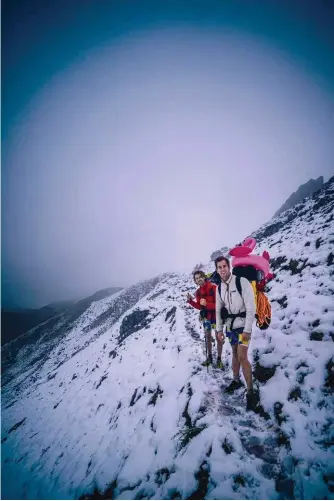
305 190
221 252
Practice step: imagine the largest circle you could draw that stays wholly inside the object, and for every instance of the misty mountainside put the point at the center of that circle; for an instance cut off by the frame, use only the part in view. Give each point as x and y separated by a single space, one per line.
15 322
57 322
113 403
304 190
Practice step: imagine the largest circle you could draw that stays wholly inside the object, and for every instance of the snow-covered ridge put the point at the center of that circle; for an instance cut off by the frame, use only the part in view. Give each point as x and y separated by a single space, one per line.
119 404
58 339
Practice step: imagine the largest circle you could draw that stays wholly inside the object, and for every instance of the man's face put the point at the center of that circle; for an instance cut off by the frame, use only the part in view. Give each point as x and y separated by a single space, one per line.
223 270
199 280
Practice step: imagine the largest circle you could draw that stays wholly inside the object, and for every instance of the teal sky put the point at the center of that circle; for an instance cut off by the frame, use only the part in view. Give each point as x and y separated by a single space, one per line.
118 117
42 38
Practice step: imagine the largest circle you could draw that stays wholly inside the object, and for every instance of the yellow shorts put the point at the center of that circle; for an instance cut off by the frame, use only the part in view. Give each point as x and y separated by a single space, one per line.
208 325
236 337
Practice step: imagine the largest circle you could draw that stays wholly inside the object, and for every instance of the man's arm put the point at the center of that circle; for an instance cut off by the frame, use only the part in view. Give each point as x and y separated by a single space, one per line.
195 304
250 306
219 305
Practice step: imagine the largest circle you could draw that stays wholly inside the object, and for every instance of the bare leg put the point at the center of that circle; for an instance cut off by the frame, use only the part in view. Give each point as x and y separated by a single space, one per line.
235 361
209 342
219 346
246 366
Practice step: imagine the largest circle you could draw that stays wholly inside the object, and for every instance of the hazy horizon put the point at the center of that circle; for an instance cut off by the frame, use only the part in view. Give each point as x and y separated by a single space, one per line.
154 137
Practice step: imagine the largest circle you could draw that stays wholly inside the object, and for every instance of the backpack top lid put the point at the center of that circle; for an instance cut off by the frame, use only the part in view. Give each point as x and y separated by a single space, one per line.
243 258
248 272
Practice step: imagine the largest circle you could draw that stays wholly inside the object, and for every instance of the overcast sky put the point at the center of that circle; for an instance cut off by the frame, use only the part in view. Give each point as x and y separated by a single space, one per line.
141 142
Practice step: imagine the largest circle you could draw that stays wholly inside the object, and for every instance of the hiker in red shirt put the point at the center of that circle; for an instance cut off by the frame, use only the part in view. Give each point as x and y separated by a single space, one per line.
206 303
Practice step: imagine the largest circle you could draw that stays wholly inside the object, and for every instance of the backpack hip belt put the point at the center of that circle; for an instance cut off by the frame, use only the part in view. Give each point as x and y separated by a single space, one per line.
225 315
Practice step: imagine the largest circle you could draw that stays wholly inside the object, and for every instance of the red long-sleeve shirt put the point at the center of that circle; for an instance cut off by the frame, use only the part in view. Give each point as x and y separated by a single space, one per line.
207 292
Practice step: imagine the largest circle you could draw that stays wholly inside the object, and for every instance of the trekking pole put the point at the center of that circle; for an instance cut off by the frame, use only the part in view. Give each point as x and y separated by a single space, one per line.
206 352
202 314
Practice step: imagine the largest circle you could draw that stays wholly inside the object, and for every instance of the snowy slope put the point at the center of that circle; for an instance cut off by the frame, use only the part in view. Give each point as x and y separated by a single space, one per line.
120 405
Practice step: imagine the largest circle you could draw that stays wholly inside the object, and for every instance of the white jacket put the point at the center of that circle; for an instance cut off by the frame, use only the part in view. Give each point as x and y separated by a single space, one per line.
235 303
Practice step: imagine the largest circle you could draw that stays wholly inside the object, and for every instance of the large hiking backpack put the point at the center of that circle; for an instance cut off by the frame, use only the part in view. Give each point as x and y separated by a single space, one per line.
263 307
257 270
213 277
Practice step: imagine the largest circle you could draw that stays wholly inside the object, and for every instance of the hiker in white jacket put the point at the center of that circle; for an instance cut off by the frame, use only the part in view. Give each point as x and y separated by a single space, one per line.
238 312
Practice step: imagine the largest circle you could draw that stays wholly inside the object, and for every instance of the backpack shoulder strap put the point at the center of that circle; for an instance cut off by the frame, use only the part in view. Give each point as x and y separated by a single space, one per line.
220 289
238 284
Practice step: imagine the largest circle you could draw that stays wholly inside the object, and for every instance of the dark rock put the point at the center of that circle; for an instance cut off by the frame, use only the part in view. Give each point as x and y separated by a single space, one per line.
269 230
285 486
133 398
101 381
322 202
283 439
329 480
155 395
240 480
263 374
329 378
190 433
295 394
301 364
283 302
134 322
295 266
171 314
109 493
17 425
316 336
202 476
190 390
227 446
318 242
161 476
257 448
277 262
278 407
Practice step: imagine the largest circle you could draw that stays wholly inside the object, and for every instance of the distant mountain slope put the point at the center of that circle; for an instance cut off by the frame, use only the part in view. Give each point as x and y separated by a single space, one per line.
113 402
16 322
305 190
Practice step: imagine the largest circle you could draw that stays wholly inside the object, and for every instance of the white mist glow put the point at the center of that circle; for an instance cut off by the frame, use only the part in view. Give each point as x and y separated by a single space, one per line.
154 152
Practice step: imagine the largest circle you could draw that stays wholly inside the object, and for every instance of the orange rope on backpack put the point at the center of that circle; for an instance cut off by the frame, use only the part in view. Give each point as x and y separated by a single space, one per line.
263 310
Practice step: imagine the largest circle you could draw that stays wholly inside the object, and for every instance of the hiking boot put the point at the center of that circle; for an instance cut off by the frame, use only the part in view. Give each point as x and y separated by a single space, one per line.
235 385
219 364
252 400
207 362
